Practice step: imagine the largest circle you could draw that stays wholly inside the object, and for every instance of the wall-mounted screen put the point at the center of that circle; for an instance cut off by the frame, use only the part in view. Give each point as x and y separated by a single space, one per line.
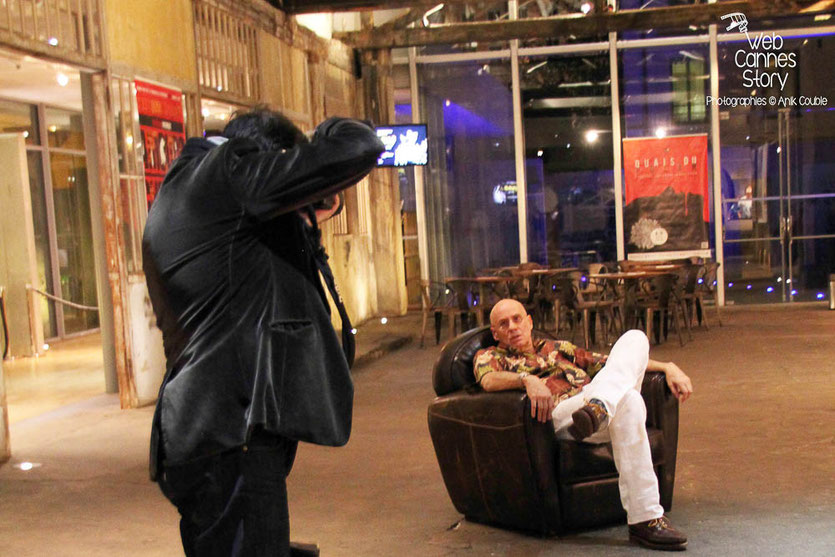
406 145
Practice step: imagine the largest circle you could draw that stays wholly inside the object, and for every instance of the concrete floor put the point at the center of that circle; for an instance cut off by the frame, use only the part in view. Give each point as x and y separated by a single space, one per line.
756 463
71 371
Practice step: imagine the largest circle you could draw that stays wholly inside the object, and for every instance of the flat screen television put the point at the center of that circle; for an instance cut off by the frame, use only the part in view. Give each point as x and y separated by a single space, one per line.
406 145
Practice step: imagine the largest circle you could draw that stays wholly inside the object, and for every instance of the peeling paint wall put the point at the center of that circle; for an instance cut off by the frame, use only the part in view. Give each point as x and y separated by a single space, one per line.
149 356
156 36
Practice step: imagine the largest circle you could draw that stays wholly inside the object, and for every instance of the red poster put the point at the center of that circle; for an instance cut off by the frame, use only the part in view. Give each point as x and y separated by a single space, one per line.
666 194
161 123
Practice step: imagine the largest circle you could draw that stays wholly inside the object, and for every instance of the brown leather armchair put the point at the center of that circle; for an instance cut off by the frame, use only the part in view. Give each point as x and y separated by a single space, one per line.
502 467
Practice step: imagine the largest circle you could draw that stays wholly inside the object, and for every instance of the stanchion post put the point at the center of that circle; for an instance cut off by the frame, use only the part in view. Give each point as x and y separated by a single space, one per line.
33 333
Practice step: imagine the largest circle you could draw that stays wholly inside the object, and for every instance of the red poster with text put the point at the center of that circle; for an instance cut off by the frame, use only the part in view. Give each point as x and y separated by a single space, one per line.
161 123
666 185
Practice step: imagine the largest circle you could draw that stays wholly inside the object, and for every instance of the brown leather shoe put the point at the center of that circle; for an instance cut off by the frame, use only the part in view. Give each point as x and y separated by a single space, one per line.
658 533
588 419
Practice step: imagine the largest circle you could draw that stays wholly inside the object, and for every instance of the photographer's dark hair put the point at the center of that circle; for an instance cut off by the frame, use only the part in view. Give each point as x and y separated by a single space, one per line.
270 129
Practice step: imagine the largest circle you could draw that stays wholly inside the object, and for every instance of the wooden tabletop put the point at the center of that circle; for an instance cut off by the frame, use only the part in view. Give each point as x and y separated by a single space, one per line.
626 275
482 279
544 272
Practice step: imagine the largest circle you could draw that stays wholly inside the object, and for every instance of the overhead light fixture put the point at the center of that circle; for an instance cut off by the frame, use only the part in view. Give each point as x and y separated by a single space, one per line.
586 7
62 79
430 13
205 112
660 132
592 135
53 41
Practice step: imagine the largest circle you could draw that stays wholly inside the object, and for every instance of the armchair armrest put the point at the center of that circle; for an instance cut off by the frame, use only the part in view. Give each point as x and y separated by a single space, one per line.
497 462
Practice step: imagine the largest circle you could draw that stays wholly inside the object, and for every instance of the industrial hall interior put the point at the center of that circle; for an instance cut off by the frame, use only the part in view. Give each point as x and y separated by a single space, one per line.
660 165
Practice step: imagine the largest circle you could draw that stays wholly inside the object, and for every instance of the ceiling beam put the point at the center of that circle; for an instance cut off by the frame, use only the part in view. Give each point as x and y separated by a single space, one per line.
577 25
315 6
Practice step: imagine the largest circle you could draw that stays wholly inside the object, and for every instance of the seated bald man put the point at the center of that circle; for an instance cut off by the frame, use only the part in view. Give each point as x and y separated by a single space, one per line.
591 398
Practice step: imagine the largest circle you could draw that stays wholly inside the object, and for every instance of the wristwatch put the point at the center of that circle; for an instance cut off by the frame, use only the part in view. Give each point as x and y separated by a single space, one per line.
522 377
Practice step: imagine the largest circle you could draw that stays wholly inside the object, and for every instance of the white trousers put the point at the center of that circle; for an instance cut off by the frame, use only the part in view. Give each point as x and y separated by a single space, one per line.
618 385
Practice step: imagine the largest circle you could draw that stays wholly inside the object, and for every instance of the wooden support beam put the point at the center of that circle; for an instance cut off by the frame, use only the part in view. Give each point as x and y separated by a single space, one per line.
577 25
315 6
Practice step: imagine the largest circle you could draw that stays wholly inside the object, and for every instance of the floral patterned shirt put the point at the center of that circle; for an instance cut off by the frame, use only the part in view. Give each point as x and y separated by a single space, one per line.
564 367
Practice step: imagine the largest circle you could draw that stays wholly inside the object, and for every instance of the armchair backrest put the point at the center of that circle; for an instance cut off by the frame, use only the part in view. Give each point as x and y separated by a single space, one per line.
454 367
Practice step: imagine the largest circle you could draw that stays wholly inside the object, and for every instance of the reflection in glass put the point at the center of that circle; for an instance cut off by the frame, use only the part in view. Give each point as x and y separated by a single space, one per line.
463 12
688 30
567 117
469 112
777 160
663 95
65 129
74 240
20 118
42 253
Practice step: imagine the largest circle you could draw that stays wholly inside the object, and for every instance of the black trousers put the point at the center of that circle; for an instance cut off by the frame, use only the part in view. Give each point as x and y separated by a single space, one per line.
234 503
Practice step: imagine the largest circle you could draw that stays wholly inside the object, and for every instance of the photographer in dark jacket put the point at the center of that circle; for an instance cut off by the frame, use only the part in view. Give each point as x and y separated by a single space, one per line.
233 259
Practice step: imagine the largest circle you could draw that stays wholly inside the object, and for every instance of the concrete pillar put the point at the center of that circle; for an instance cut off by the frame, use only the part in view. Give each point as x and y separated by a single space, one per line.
18 262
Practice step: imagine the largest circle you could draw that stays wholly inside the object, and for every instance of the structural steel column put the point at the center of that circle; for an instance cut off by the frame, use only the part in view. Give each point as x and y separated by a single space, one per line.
617 161
519 142
716 147
420 200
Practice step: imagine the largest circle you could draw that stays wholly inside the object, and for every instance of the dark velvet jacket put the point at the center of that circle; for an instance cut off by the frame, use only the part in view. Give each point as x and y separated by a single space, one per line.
232 275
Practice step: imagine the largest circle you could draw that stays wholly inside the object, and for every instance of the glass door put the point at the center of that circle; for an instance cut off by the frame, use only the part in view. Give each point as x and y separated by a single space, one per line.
778 195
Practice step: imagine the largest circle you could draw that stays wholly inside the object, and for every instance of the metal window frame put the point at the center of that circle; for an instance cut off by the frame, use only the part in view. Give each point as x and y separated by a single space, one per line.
613 45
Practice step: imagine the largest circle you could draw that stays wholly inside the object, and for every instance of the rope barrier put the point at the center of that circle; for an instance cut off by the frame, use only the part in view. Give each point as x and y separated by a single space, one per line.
62 301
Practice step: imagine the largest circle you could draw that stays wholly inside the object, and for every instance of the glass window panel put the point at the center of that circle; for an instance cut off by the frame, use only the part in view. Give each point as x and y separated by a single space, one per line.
688 30
65 129
458 12
74 240
656 103
20 118
42 253
216 115
550 8
567 117
470 183
753 264
777 161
